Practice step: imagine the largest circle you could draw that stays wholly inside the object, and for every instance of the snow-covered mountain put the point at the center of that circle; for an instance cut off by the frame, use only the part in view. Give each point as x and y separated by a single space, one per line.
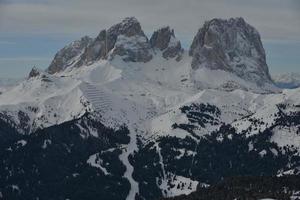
146 118
287 80
230 46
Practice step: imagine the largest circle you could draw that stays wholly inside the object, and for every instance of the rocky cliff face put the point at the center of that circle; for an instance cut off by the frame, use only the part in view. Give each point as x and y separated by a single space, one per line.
130 41
230 45
66 57
164 40
125 39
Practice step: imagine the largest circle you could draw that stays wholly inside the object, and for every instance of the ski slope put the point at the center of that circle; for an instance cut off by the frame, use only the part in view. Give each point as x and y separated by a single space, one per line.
96 96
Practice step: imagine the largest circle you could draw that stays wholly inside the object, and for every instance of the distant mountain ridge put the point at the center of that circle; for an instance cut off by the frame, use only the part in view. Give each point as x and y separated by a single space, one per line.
8 81
287 80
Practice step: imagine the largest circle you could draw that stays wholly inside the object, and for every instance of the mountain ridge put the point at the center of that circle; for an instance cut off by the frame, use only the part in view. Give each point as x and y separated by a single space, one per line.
246 63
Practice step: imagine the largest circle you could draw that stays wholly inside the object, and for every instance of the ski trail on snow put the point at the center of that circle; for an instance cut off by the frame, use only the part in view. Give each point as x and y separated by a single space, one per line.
102 103
161 160
124 157
96 96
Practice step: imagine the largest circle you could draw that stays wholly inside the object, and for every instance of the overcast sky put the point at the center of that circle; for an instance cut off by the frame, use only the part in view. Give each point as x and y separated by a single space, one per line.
31 31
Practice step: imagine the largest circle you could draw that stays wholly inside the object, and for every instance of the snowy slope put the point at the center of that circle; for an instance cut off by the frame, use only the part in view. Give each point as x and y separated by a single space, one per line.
42 101
145 97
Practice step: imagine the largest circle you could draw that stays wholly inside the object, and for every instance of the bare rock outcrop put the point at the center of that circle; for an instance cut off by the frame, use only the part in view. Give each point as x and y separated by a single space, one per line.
231 45
164 40
69 55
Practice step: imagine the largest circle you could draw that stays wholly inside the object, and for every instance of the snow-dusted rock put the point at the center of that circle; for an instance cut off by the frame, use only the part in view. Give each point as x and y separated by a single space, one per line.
232 46
34 72
132 49
164 40
67 56
125 39
95 51
130 42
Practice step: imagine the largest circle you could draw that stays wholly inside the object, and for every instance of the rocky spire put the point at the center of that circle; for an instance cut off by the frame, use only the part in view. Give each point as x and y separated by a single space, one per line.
164 40
130 42
34 72
129 27
231 45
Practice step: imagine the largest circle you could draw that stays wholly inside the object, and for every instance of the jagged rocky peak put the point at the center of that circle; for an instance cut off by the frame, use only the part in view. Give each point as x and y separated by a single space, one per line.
125 39
131 43
35 72
129 27
39 74
68 56
231 45
164 40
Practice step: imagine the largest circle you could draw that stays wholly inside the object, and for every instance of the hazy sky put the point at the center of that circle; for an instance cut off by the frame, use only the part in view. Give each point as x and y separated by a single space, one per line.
31 31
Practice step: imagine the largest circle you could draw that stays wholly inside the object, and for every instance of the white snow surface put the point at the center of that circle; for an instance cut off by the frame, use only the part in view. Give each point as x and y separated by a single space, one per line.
146 97
124 157
46 100
287 137
180 185
22 142
220 79
95 161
